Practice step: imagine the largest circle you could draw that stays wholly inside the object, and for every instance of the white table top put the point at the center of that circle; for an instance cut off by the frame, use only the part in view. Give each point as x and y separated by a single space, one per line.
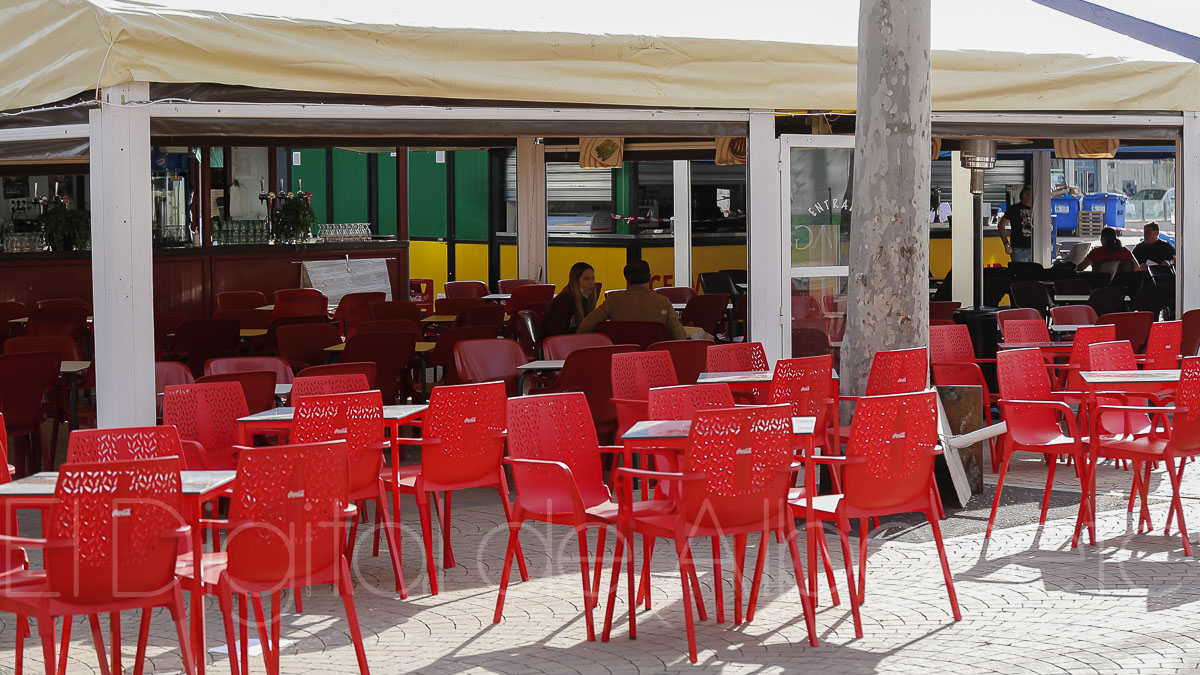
1066 328
285 413
763 376
24 320
72 367
545 364
43 483
1129 376
679 306
669 429
283 389
497 296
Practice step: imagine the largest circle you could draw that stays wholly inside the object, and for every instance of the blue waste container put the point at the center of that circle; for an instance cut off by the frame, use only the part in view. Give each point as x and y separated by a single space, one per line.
1065 210
1113 206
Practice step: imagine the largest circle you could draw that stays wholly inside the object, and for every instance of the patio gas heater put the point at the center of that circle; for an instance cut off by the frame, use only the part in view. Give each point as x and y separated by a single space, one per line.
978 154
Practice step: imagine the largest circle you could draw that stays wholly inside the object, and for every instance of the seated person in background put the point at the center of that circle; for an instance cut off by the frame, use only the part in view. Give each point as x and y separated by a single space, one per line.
1109 250
636 303
1152 249
576 301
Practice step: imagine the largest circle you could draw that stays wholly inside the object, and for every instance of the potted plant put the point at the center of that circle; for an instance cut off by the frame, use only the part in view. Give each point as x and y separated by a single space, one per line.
296 218
66 229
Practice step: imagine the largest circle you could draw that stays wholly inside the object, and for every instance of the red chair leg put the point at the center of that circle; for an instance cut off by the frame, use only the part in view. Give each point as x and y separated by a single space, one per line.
999 489
427 534
514 529
264 639
810 619
22 628
389 533
833 594
644 580
618 551
599 563
178 613
506 504
862 561
378 522
399 537
244 638
848 563
1046 492
937 537
47 633
97 641
686 573
1175 473
225 601
444 518
65 647
759 559
588 601
739 558
347 592
719 581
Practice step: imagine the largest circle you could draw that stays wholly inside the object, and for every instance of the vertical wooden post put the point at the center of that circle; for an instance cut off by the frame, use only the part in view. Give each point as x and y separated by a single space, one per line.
531 209
889 251
402 219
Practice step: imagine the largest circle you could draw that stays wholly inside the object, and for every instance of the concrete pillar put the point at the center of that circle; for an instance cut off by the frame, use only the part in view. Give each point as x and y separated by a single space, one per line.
766 237
1187 211
681 226
122 258
531 209
1042 223
962 232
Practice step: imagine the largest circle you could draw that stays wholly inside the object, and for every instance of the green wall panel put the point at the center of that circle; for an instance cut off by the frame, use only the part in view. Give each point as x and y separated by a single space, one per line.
387 194
471 195
426 195
310 174
349 187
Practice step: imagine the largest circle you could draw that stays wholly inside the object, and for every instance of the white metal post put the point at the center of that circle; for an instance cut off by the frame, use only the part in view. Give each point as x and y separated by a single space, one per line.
122 258
962 232
681 225
531 209
1042 223
1187 209
766 236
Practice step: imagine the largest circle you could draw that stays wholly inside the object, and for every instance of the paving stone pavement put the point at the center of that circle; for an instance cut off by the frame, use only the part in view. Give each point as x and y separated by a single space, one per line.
1030 604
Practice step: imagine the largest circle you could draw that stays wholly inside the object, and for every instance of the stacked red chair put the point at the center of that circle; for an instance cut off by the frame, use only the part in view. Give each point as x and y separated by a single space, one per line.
206 415
740 357
688 357
558 347
634 374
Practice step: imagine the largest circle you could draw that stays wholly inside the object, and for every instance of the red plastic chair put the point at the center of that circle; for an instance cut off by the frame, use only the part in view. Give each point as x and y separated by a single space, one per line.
688 357
259 319
453 306
943 310
295 293
395 309
167 373
953 362
491 315
462 448
241 364
639 333
810 340
559 347
392 354
739 357
8 312
706 312
388 326
1191 332
110 546
25 381
270 342
353 308
1035 418
527 331
69 321
165 324
888 469
588 370
806 384
1132 326
205 415
1073 315
493 360
304 345
301 305
508 285
712 503
68 350
197 341
128 443
1163 345
558 480
1080 359
258 387
682 402
364 368
1017 314
529 294
357 419
420 293
52 303
633 376
442 354
1025 330
232 300
676 294
324 385
466 289
285 530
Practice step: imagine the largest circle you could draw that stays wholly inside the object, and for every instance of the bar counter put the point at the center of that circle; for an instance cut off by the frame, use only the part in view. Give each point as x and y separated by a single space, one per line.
186 279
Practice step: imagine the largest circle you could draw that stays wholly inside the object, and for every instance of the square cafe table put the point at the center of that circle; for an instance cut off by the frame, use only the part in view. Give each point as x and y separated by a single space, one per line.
743 380
279 421
198 487
540 366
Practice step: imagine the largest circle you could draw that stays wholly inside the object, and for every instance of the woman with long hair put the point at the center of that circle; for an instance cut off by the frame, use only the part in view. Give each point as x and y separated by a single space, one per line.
577 300
1109 250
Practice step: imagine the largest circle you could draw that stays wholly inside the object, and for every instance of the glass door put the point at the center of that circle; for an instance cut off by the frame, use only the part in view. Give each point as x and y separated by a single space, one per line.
817 193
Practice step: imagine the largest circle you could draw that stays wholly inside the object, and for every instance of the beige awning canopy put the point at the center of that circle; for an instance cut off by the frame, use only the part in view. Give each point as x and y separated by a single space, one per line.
781 56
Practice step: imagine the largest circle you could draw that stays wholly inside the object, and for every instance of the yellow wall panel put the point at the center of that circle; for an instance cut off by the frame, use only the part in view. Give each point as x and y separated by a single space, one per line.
508 261
427 260
940 256
608 263
471 262
715 259
662 264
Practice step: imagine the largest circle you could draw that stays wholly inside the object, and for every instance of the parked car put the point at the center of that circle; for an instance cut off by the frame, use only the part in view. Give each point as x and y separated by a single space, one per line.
1157 204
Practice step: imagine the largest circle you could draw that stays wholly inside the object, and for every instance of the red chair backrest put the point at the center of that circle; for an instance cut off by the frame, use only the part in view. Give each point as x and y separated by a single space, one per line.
489 360
301 305
688 357
1081 356
735 460
242 364
890 451
364 368
529 294
1191 332
639 333
468 420
247 318
354 417
114 445
1185 434
555 428
1022 376
1019 314
295 293
676 294
239 300
508 285
111 523
322 385
466 289
25 379
10 311
289 500
1163 345
1026 330
942 310
305 343
420 293
1132 326
167 373
257 386
71 321
805 306
352 308
387 326
442 354
806 384
899 371
66 348
683 401
203 339
395 309
166 323
390 352
64 302
1073 315
527 330
635 373
454 306
558 347
587 370
488 315
736 357
951 344
207 412
809 339
1115 355
705 311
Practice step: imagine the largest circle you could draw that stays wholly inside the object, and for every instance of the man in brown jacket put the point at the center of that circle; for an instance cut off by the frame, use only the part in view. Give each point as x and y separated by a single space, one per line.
636 303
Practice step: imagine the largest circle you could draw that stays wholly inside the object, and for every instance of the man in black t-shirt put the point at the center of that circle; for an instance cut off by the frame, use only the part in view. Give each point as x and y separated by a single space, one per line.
1153 249
1019 217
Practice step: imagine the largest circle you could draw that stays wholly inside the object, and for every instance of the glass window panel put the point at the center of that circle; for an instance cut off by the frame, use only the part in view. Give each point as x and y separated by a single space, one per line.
818 315
821 205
